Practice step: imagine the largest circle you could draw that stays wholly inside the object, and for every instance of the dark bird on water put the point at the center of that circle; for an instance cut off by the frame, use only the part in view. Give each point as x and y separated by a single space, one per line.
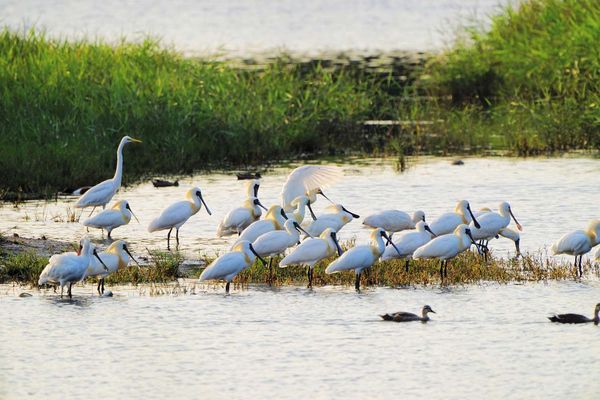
406 316
162 183
576 318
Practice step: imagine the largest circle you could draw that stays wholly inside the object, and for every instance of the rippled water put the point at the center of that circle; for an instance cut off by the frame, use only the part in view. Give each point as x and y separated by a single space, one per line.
245 27
490 342
549 197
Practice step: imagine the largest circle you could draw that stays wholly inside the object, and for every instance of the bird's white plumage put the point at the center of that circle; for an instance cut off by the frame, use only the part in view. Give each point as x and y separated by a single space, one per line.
446 246
114 257
394 220
575 243
407 243
491 223
299 204
118 215
311 251
359 257
239 218
334 220
175 215
304 180
230 264
274 220
276 242
447 223
102 193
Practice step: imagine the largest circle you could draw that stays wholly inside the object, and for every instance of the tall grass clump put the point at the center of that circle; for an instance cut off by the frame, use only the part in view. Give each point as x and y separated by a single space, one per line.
65 104
532 78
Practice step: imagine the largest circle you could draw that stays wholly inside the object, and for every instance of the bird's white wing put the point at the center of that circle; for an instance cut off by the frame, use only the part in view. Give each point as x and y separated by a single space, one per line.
98 195
442 246
105 218
490 224
171 216
356 257
446 223
306 178
572 243
308 251
227 264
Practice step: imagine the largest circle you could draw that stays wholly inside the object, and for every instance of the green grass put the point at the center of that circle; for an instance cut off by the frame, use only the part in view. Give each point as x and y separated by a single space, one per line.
528 84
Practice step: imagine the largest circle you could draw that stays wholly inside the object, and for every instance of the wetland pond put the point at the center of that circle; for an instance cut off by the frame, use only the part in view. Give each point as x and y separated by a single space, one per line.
486 341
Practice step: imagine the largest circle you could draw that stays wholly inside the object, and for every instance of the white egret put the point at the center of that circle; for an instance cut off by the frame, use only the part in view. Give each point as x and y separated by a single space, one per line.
361 257
446 247
491 223
276 242
178 213
70 267
403 316
118 215
274 220
230 264
115 257
337 217
394 220
313 250
408 242
447 223
307 180
102 193
578 243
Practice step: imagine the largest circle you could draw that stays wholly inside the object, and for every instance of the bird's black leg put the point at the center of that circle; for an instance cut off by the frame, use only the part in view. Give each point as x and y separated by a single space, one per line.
407 264
177 238
169 239
227 287
269 280
446 269
580 268
98 288
102 285
442 270
69 291
309 275
357 282
92 211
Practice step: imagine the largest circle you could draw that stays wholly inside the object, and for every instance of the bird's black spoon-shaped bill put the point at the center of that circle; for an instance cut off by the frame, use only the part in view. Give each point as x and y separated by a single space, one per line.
429 230
131 255
473 217
257 255
337 244
519 227
205 206
300 229
312 213
350 212
389 241
258 203
131 211
99 259
283 214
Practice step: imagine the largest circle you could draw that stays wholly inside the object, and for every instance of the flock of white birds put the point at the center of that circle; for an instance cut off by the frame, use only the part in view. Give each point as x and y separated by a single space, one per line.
285 229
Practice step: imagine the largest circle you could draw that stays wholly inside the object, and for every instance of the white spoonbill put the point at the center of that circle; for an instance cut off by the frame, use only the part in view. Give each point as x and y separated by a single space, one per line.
69 267
447 223
394 220
337 217
178 213
274 220
115 257
491 223
240 218
118 215
578 243
230 264
307 180
514 236
313 250
276 242
102 193
446 247
300 203
361 257
408 242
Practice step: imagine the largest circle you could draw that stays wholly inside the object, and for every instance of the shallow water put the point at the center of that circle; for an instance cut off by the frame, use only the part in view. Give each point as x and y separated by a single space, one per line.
246 27
487 341
548 196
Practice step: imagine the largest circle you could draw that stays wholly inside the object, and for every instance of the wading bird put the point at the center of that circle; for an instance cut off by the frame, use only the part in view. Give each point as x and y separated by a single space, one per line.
408 242
274 220
394 220
240 218
336 218
403 316
276 242
361 257
300 203
115 257
446 247
308 180
447 223
578 243
313 250
178 213
576 318
118 215
230 264
71 267
103 192
490 225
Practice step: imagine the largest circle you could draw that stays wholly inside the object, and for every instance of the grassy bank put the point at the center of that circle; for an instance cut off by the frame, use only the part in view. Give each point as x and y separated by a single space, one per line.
528 84
468 268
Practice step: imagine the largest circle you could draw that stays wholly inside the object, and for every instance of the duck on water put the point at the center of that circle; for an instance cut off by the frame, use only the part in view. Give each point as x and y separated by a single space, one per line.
576 318
403 316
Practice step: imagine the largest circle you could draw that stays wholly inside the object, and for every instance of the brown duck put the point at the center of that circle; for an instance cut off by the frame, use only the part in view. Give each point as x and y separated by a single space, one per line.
576 318
406 316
